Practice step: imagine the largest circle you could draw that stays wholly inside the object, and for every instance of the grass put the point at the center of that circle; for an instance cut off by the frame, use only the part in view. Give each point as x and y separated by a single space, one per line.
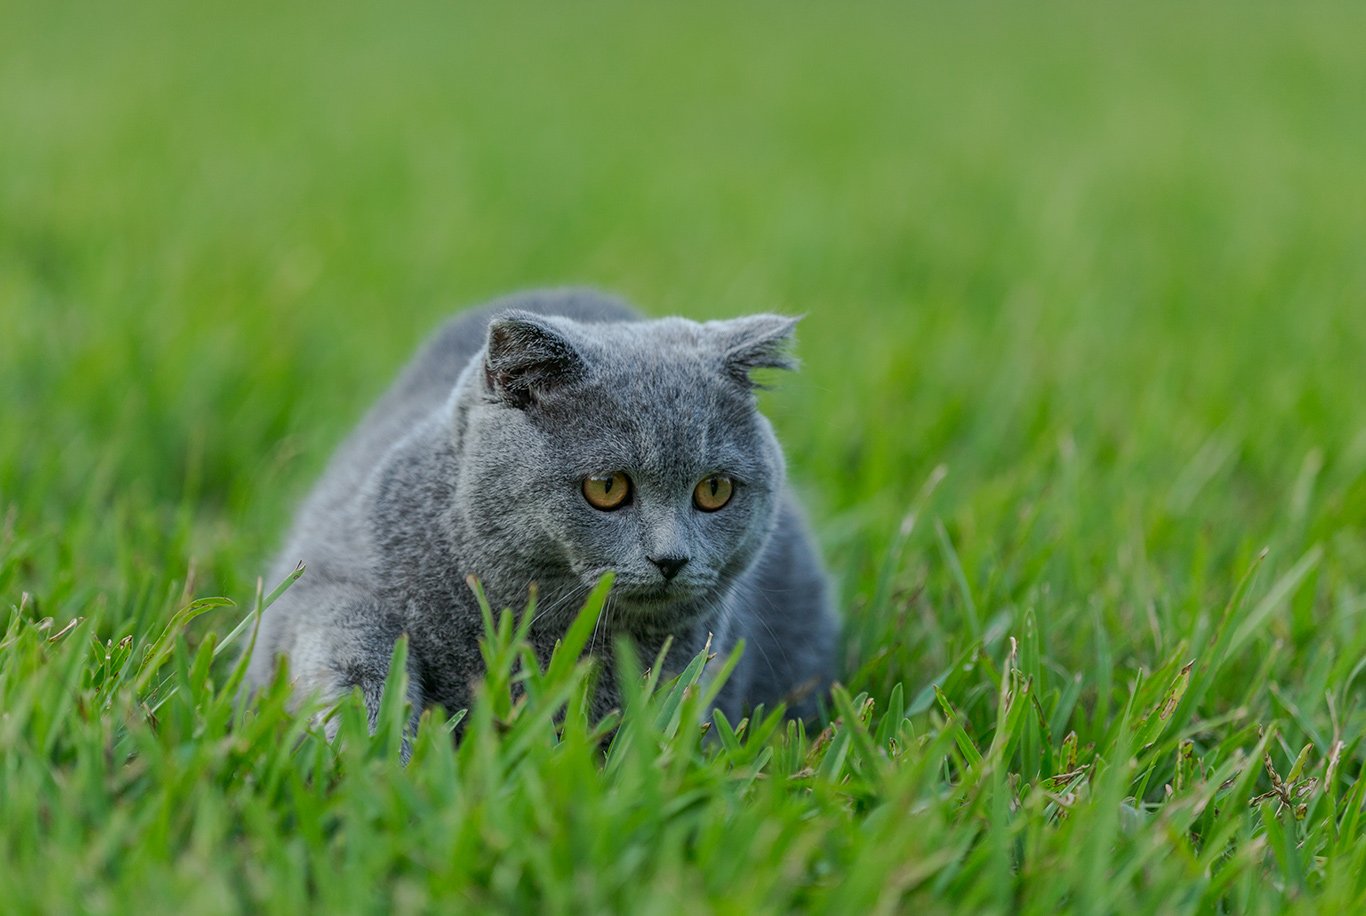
1081 422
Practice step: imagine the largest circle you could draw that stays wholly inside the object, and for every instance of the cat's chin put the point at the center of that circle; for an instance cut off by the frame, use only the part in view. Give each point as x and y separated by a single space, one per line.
655 600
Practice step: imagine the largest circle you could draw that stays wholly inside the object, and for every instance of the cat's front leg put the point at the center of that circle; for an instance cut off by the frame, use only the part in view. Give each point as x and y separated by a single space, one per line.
343 640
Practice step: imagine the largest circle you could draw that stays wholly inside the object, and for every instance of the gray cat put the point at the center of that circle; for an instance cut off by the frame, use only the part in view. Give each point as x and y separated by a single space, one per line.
550 437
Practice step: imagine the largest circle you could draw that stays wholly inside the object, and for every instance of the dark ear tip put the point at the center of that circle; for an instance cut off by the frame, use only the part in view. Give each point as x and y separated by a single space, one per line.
512 324
525 355
520 334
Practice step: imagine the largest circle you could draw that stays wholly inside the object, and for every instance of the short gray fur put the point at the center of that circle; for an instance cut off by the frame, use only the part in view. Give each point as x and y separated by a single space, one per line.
472 463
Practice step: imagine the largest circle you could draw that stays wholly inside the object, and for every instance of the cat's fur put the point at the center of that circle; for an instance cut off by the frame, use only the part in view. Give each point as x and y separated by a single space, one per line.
473 462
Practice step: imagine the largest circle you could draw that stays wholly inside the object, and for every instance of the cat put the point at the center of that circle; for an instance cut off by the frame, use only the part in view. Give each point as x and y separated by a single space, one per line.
548 438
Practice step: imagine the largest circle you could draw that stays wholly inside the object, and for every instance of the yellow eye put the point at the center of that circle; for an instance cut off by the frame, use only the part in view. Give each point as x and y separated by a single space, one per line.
713 493
607 491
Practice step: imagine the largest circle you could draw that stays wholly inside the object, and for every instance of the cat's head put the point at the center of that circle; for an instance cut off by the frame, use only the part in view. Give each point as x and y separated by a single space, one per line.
633 447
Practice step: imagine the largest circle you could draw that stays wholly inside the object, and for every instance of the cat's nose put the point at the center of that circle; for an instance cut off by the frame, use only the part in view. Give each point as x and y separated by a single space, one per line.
669 566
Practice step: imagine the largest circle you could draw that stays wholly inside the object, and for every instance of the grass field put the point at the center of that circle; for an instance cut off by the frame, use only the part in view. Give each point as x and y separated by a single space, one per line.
1081 423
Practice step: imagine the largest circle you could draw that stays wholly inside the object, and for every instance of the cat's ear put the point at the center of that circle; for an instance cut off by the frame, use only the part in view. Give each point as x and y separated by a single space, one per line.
755 342
527 356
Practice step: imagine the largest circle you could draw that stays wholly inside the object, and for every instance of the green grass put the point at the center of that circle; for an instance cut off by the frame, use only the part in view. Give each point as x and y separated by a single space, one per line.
1082 425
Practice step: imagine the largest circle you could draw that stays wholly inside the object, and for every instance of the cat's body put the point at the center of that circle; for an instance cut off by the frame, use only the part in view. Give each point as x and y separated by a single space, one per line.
480 459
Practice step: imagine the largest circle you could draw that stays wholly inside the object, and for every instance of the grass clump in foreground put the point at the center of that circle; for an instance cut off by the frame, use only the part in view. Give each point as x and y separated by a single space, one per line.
1080 425
133 773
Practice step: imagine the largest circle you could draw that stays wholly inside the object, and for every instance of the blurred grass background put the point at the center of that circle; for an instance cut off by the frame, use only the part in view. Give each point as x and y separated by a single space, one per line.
1102 263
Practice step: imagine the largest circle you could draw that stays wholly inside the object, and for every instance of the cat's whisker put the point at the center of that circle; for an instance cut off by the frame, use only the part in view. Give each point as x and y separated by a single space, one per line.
611 607
768 628
550 609
574 593
598 623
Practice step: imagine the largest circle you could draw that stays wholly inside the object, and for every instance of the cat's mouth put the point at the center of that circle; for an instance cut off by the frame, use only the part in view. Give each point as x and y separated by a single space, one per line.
667 593
654 596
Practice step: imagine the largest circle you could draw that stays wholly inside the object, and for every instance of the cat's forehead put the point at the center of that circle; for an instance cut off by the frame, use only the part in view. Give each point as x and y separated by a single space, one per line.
668 364
681 438
656 397
677 341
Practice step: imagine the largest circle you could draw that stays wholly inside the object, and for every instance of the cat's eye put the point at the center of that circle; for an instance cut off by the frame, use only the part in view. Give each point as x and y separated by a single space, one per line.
607 491
713 493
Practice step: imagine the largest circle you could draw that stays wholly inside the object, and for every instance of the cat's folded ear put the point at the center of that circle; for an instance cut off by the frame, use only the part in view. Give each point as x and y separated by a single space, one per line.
754 342
526 357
